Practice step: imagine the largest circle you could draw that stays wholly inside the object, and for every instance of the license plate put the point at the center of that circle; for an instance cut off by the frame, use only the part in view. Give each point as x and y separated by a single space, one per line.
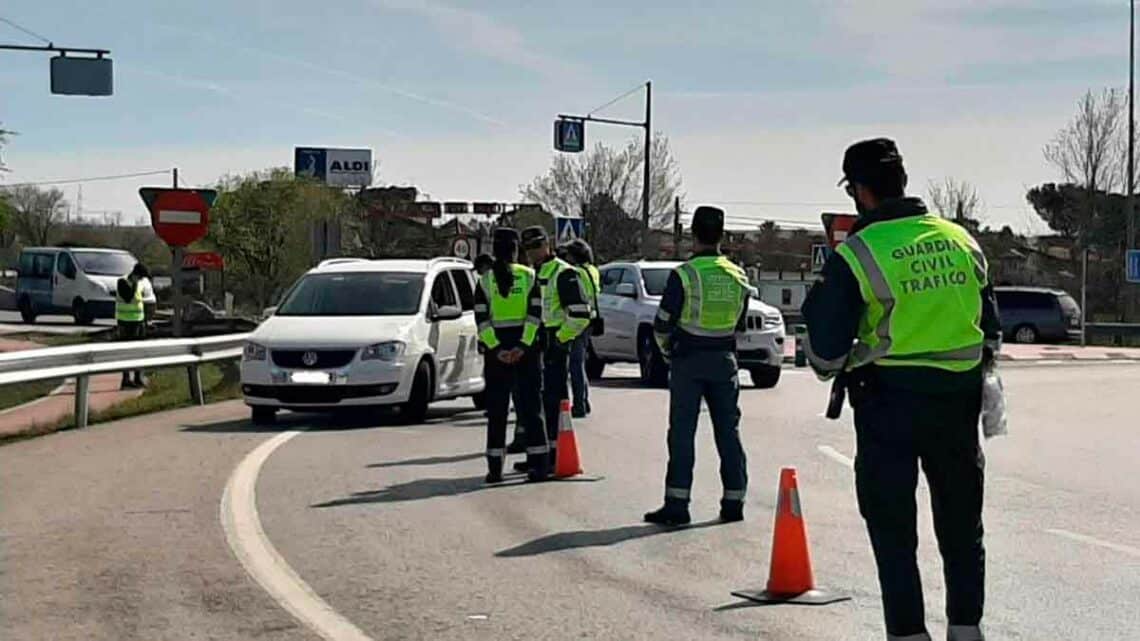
310 378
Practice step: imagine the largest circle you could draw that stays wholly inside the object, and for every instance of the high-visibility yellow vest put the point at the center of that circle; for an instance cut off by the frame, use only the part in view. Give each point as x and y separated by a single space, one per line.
921 278
592 284
554 315
508 311
716 290
132 311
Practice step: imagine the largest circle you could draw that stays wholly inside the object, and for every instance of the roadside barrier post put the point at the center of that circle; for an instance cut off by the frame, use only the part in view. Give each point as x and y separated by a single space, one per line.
196 394
82 387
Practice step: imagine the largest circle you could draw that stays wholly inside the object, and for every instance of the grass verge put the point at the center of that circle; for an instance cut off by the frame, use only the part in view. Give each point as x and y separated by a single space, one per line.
20 393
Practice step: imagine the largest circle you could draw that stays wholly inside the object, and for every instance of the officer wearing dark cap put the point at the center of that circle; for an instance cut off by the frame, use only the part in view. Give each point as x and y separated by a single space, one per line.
704 305
565 316
508 314
904 317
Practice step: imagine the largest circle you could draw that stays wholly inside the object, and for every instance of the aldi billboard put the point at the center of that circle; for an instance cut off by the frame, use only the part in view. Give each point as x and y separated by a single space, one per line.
335 167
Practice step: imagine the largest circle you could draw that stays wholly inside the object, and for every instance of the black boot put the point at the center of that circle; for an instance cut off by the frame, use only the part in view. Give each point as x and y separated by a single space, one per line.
494 469
673 513
521 466
517 446
731 511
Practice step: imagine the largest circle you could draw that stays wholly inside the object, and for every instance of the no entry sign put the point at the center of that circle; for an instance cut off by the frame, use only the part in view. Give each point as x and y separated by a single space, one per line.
179 216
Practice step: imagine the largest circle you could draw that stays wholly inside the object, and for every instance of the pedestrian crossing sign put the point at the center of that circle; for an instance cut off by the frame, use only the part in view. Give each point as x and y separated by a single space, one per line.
819 255
569 135
568 229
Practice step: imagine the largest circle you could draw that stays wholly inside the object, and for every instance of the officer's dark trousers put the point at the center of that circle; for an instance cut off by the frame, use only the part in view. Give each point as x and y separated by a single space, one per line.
501 379
578 379
897 429
555 388
712 376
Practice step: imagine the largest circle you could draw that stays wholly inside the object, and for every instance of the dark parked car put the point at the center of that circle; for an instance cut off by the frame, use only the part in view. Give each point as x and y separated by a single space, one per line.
1037 314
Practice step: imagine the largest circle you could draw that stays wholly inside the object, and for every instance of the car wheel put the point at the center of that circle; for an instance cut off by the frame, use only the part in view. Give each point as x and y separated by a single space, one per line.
27 312
415 410
80 313
654 371
765 377
595 366
261 415
479 401
1025 334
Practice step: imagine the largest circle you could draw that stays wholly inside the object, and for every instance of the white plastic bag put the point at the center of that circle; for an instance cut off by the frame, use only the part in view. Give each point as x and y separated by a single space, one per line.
994 422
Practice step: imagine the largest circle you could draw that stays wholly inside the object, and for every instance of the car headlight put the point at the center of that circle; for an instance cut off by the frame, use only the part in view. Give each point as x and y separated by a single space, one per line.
775 320
387 351
253 352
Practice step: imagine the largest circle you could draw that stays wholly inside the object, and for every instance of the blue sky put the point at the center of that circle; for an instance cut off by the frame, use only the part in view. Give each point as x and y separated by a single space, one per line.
759 98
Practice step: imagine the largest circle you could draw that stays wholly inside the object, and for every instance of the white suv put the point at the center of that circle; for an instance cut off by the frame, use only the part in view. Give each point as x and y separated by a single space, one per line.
355 332
628 300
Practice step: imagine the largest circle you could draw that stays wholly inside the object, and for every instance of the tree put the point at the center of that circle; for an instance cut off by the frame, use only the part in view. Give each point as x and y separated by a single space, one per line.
573 180
5 134
262 224
956 200
1086 151
613 234
36 212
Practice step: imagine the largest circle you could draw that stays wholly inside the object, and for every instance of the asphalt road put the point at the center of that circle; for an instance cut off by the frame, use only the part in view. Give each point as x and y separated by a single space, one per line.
387 532
11 323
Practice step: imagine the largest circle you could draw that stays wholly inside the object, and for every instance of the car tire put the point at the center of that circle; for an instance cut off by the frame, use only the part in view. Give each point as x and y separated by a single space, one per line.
479 401
654 370
1025 334
595 366
27 312
765 377
80 313
262 415
415 409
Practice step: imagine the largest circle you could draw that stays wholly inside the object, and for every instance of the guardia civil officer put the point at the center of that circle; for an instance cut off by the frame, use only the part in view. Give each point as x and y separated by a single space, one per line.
909 290
508 313
565 316
581 255
704 305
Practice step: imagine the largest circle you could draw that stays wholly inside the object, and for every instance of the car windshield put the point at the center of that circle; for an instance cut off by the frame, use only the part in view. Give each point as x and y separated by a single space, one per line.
105 263
354 294
655 280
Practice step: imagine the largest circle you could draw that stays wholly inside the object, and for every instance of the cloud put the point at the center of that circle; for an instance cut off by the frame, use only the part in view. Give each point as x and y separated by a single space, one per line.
484 35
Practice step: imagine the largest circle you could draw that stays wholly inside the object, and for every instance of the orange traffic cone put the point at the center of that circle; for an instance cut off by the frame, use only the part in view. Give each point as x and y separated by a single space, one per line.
790 578
567 462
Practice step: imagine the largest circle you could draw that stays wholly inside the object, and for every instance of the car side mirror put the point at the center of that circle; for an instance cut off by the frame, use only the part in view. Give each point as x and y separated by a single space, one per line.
627 290
447 313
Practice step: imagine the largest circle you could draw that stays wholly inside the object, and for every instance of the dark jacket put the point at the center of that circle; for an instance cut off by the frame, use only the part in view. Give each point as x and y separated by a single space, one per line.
834 307
672 300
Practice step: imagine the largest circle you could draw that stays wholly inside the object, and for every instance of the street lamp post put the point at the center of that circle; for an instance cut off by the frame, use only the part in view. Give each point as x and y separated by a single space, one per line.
1129 203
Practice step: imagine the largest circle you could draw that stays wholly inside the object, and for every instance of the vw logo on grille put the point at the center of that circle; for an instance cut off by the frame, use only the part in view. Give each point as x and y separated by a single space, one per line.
309 359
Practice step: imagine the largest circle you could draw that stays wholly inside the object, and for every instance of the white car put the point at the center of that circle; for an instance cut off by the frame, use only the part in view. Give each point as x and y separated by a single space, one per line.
628 301
355 333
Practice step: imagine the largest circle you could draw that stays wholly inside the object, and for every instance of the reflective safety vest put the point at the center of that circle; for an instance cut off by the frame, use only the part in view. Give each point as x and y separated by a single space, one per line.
592 284
554 315
511 311
921 278
716 290
133 311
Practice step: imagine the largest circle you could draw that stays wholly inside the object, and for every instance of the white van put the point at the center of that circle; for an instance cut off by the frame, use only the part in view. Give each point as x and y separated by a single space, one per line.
79 281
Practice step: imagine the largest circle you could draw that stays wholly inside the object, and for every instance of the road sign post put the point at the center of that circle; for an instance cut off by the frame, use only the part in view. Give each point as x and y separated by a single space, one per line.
1132 265
569 135
568 229
837 227
820 252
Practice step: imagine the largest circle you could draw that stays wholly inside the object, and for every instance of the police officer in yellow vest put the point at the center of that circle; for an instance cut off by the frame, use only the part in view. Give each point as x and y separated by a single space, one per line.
565 316
580 255
904 315
508 310
130 319
704 305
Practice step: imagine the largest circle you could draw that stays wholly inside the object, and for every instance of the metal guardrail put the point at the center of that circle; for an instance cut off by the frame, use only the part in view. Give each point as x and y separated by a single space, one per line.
81 362
1114 329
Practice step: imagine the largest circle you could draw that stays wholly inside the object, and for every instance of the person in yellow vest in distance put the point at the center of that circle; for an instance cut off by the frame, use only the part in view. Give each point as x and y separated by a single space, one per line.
580 254
904 319
703 307
130 318
508 310
565 316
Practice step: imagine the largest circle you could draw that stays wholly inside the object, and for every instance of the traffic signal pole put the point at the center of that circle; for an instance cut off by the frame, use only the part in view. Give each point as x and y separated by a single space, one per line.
176 273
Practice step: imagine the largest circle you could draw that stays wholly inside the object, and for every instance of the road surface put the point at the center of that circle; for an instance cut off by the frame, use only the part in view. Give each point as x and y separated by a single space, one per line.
11 323
195 525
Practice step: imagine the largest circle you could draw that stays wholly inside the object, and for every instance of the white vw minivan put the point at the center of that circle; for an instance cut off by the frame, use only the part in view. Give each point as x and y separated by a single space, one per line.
79 281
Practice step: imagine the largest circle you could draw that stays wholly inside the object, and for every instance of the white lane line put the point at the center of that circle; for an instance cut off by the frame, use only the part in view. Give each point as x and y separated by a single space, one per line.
836 455
261 560
1108 545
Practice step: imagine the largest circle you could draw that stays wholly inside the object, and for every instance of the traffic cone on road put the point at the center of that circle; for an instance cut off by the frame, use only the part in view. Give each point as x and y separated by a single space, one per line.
790 577
566 462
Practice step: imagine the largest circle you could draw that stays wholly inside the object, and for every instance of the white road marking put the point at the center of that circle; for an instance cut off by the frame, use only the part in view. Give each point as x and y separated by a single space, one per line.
261 560
836 455
1081 538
